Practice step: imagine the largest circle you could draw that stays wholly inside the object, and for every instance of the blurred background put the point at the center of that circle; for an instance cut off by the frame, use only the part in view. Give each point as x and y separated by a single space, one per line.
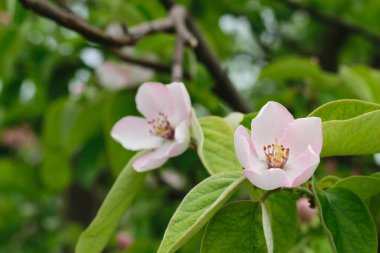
60 96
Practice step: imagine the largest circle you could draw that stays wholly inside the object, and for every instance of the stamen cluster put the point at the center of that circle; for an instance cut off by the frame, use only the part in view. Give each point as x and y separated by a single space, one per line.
276 155
161 127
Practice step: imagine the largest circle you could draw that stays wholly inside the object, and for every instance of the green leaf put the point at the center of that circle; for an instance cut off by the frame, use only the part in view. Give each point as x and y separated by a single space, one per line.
284 224
123 192
356 83
363 186
236 228
198 207
347 221
216 145
343 109
355 136
290 68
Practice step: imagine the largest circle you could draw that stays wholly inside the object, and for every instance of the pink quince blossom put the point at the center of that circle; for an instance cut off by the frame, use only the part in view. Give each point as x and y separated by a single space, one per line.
164 130
281 151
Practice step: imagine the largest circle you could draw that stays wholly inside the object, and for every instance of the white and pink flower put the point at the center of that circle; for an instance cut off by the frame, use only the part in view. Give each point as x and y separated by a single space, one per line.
165 129
280 151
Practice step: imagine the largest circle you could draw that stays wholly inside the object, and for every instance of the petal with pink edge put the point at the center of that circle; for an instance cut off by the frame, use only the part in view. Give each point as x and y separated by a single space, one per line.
244 149
300 134
133 134
154 159
181 103
153 98
301 168
267 179
268 125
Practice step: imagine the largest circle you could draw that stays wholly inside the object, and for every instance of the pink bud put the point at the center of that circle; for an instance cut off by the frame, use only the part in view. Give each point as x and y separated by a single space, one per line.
124 240
305 212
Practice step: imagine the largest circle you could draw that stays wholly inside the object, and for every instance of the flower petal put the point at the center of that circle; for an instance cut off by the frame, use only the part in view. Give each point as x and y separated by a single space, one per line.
244 149
181 103
268 125
181 139
267 179
133 134
154 159
300 134
301 168
153 98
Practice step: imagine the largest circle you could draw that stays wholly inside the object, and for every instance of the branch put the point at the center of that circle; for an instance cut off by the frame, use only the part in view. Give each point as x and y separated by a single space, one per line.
223 86
69 20
183 35
157 66
373 37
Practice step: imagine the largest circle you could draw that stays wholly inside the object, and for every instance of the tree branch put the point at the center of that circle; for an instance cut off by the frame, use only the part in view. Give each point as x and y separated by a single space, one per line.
183 35
223 86
69 20
158 66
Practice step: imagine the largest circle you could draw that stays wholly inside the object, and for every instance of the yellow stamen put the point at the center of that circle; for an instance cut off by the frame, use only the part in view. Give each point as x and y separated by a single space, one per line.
161 127
276 155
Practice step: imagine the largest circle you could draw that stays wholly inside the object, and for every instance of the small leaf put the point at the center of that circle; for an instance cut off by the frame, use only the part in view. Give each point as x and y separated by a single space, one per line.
355 136
216 145
234 118
343 109
236 228
198 207
347 221
123 192
363 186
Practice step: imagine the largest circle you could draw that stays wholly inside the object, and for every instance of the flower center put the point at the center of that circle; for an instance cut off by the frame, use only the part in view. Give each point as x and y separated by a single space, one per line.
276 155
161 127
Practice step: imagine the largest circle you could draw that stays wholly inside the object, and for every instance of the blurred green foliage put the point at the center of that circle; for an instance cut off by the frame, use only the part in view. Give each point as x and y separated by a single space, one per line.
57 160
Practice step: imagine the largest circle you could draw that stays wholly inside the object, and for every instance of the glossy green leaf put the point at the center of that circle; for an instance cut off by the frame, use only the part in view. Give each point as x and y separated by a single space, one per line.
123 192
284 224
236 228
215 141
363 186
344 109
355 136
347 221
198 207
